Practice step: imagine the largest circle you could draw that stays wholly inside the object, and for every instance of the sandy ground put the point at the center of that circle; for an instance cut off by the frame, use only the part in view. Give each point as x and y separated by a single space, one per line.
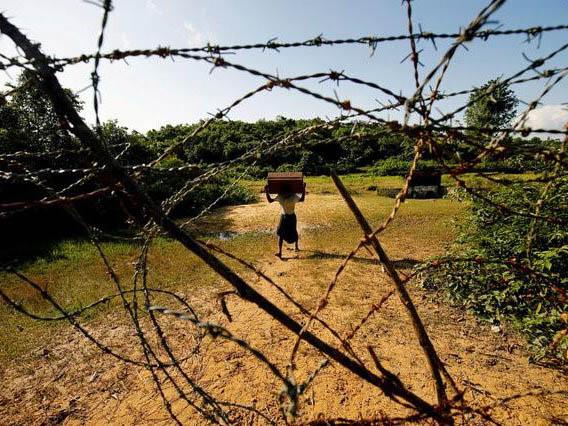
68 381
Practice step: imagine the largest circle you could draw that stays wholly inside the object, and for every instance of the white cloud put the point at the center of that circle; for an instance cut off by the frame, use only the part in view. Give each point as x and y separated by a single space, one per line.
548 117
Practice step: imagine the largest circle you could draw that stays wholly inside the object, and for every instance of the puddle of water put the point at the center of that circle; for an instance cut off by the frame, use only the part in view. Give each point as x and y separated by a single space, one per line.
227 235
231 235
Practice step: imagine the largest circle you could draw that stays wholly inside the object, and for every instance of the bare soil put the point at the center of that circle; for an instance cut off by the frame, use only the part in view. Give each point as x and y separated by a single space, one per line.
69 381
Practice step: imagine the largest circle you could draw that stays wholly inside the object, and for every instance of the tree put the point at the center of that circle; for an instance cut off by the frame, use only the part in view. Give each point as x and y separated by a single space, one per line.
492 105
29 120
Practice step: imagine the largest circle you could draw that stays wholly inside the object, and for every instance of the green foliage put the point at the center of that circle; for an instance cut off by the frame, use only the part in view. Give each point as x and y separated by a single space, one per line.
397 167
164 182
519 160
519 156
491 105
314 154
28 122
510 279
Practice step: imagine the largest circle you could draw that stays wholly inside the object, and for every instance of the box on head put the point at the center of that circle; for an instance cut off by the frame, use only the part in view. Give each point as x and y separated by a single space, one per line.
285 182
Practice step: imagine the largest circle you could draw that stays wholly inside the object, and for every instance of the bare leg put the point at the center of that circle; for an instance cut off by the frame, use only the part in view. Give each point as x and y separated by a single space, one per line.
296 247
279 254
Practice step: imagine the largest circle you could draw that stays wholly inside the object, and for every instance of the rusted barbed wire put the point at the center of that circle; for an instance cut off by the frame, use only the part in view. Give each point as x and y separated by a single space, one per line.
371 41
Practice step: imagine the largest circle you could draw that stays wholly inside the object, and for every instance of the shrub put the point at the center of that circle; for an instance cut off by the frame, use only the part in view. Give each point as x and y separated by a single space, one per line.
394 166
165 182
509 279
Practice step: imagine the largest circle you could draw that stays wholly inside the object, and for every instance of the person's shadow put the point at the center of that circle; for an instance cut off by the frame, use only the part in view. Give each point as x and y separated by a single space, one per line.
296 255
405 263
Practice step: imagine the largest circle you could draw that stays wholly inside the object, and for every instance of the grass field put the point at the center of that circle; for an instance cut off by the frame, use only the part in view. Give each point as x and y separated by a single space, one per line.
74 274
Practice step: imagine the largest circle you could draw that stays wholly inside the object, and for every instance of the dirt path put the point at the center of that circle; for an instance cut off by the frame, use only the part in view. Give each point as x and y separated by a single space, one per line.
69 381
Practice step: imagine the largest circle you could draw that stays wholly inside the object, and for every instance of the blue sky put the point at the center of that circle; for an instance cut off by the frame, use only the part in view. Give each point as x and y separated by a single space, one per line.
145 94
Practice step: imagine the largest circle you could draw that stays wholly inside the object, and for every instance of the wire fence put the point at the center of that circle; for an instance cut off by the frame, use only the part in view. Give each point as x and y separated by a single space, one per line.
431 134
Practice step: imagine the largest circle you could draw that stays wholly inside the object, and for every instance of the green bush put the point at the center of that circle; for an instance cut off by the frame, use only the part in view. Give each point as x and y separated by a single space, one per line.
394 166
166 181
503 281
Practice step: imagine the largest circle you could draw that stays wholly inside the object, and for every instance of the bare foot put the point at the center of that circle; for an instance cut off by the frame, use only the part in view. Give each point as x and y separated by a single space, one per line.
278 255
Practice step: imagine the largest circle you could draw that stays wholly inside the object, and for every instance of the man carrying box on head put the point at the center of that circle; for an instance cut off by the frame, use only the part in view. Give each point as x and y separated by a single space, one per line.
287 198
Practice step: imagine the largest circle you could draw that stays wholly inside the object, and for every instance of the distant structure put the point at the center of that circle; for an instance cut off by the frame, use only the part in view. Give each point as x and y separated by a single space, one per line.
425 184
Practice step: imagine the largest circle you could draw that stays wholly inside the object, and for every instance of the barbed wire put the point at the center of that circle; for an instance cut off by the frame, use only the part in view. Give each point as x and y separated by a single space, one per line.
95 78
319 41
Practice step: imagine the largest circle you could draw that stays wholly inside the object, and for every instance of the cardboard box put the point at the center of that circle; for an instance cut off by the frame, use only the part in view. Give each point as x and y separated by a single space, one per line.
285 182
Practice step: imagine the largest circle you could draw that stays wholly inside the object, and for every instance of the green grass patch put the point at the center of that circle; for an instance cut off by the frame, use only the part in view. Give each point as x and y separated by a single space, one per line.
75 276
